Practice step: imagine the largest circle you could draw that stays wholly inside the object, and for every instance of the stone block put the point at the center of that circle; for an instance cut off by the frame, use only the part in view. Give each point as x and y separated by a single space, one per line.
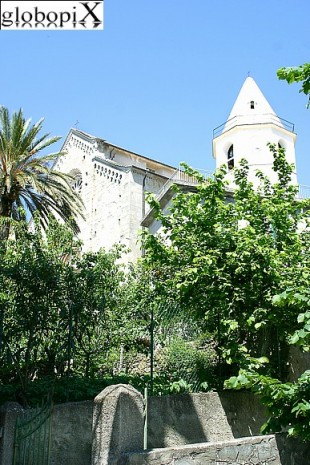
117 423
9 412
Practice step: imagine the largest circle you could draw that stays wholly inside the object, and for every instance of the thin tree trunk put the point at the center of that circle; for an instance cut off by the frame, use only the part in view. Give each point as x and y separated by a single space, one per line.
121 359
1 328
5 216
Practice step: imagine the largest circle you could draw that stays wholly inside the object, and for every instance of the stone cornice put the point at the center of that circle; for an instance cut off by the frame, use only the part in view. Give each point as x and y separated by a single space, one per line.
111 163
101 145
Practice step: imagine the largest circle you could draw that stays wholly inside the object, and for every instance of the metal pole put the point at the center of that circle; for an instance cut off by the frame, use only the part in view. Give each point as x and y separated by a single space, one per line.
152 350
279 355
219 349
145 419
69 347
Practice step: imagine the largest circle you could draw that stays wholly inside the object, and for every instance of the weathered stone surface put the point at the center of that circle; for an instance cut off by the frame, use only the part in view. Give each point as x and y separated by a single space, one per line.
72 433
231 452
293 451
9 412
117 423
193 418
113 186
245 451
298 363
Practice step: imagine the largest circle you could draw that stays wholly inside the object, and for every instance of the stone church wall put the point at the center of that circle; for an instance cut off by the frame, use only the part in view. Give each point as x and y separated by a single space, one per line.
113 185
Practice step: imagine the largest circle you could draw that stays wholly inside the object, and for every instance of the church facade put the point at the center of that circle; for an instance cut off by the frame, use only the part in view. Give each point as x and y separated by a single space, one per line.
113 181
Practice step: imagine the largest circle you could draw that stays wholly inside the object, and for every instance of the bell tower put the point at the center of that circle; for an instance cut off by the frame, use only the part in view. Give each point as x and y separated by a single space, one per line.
251 125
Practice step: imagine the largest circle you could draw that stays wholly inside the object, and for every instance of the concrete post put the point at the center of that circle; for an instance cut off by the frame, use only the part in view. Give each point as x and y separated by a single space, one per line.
9 412
117 424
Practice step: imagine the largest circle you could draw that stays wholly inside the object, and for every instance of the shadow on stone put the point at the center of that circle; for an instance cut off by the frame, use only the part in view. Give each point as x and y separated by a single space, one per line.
244 412
117 424
292 451
186 419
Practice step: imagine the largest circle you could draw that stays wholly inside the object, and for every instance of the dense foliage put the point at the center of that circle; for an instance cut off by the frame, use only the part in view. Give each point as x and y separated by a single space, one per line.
288 402
73 323
224 261
59 309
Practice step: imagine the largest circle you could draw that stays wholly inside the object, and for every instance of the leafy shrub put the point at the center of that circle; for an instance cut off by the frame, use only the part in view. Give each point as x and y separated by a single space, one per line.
188 367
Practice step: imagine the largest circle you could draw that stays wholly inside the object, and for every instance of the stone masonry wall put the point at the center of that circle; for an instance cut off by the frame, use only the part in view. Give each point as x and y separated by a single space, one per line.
258 450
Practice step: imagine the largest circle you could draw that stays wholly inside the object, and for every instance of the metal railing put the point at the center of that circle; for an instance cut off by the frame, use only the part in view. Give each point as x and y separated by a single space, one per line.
248 120
303 192
182 178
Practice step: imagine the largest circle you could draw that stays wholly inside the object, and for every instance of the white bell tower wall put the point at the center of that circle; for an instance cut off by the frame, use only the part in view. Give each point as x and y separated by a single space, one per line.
251 125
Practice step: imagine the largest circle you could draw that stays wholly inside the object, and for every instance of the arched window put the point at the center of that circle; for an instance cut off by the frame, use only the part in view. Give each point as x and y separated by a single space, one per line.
77 180
230 157
252 104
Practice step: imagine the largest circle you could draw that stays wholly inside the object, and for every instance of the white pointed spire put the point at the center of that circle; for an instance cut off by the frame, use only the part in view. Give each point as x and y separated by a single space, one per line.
251 126
251 107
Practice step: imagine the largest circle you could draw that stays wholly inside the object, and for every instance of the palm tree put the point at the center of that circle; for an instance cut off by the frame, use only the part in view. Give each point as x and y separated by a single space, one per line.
28 181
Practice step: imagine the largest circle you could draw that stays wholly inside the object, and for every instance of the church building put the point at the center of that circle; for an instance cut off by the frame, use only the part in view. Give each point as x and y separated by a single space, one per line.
113 181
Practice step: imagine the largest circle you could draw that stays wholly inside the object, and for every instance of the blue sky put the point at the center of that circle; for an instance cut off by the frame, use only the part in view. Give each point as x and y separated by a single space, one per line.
162 75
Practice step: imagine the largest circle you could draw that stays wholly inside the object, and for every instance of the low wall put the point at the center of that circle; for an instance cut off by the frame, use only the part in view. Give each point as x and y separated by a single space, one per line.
9 412
71 439
175 422
258 450
72 433
196 418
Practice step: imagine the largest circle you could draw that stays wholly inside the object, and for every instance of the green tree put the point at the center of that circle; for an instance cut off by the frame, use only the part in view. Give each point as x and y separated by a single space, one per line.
27 178
159 339
239 266
31 304
97 312
295 74
223 259
59 308
288 403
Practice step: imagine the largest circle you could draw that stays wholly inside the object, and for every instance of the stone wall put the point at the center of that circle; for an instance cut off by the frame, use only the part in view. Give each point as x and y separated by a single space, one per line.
258 450
9 412
175 422
72 433
113 186
71 438
195 418
293 451
298 362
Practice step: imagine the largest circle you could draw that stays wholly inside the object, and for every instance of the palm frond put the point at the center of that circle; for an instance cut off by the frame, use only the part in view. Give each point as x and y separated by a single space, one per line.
27 178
